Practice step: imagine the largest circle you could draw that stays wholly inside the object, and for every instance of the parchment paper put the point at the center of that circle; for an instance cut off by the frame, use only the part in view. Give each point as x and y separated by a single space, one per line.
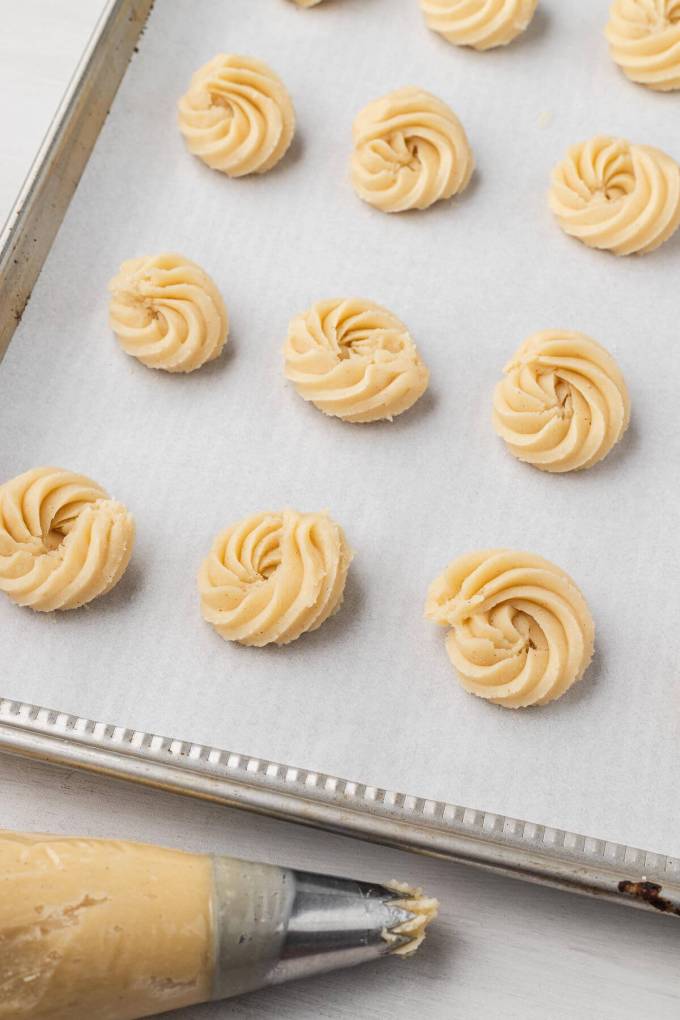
371 695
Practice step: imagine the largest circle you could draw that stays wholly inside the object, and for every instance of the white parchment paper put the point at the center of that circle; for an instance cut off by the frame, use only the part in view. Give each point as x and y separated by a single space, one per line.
371 695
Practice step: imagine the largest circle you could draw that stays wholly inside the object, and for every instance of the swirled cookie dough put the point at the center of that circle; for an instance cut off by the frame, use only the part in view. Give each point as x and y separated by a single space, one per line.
237 116
410 150
167 312
644 40
617 196
355 360
482 24
520 631
563 403
63 541
273 576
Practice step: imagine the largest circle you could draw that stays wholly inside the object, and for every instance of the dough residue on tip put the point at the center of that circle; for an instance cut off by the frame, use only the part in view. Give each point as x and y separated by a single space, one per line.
424 910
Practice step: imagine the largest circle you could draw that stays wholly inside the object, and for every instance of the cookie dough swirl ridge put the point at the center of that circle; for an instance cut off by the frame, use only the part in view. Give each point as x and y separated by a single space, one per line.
273 576
237 116
617 196
355 360
167 312
563 403
644 40
481 24
410 150
63 541
520 631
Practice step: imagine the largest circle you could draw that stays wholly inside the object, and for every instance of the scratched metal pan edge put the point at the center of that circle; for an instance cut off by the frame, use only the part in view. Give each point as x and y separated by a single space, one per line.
509 846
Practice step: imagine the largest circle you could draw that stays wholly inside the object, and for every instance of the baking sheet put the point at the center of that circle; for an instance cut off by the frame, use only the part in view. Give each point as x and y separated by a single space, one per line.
371 695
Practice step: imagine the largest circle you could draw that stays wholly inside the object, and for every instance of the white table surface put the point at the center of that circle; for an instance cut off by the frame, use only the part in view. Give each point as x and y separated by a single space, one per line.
501 949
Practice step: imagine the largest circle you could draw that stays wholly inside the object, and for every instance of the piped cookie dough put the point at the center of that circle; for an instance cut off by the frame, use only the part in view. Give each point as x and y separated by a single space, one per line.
63 541
167 312
617 196
519 630
273 576
410 151
644 40
355 360
481 24
237 116
563 402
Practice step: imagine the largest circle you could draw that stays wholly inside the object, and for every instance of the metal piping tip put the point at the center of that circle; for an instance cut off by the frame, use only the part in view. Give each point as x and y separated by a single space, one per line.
297 924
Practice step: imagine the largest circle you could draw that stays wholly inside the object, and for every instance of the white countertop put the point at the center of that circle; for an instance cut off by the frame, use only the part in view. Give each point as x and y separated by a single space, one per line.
500 948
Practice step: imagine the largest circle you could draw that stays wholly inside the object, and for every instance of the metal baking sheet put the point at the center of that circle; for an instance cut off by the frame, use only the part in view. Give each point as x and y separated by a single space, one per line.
371 694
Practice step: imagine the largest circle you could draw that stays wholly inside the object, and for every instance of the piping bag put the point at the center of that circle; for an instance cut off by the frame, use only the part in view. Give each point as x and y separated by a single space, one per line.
112 930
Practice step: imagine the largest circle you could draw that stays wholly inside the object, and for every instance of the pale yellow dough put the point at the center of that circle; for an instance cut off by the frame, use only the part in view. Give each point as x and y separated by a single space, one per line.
563 403
355 360
617 196
520 631
167 312
237 116
63 541
307 3
273 576
410 150
101 930
644 40
482 24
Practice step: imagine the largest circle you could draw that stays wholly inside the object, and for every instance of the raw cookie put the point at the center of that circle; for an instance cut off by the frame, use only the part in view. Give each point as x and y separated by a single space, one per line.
563 403
617 196
167 312
273 576
354 359
481 24
307 3
63 541
520 630
644 40
237 116
410 150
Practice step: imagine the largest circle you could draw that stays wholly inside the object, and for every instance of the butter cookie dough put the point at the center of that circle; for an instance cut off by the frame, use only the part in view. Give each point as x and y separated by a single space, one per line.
520 632
410 151
563 403
644 40
63 541
617 196
355 360
481 24
237 116
167 312
273 576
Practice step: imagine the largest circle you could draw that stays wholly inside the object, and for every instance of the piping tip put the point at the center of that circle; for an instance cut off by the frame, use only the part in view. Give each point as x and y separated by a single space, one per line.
290 924
338 922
